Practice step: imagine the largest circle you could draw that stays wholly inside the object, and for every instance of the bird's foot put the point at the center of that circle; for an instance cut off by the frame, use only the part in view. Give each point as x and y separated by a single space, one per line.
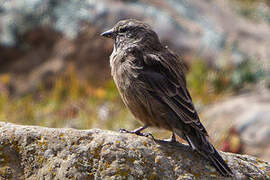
137 132
172 139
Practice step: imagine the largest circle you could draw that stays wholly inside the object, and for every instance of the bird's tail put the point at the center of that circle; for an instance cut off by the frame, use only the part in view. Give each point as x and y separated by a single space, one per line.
200 143
219 163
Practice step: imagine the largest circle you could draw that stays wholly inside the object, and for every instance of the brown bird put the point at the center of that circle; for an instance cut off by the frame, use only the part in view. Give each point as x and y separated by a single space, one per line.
152 84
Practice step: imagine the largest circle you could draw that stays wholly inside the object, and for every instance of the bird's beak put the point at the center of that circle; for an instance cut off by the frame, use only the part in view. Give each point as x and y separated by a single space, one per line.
108 34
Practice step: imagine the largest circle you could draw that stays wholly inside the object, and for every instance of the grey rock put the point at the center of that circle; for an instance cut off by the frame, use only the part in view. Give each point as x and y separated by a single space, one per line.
249 114
99 154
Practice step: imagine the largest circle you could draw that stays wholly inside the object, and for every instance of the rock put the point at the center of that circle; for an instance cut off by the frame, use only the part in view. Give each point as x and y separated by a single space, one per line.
39 39
249 114
29 152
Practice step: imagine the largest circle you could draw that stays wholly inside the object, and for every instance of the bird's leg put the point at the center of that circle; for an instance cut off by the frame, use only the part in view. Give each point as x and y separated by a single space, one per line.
137 131
172 139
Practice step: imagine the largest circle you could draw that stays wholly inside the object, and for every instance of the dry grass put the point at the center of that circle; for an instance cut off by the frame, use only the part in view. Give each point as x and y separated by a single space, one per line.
73 103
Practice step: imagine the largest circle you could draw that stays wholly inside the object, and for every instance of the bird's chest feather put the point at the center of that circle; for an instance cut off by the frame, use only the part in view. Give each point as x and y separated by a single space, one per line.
123 70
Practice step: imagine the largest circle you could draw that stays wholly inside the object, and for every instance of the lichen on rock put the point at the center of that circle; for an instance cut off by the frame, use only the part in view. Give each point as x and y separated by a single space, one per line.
31 152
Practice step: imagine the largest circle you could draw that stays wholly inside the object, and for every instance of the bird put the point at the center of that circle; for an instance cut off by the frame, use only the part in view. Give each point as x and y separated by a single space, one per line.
151 81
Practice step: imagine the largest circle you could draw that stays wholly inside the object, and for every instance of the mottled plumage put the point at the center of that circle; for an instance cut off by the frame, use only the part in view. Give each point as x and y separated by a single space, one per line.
152 84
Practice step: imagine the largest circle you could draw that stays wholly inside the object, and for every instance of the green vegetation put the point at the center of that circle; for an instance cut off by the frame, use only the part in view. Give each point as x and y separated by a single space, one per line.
252 9
74 103
209 84
70 103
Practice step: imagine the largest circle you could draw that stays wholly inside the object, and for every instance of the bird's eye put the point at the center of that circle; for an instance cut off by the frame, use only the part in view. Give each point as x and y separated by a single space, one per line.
122 30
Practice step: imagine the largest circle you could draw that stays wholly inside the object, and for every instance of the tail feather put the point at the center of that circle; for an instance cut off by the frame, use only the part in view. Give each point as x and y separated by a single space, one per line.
219 163
205 148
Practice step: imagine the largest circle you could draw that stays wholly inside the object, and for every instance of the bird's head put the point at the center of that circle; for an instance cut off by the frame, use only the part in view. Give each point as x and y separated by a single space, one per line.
132 31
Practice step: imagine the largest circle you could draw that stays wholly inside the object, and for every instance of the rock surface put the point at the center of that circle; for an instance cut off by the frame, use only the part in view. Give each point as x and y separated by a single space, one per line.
249 115
28 152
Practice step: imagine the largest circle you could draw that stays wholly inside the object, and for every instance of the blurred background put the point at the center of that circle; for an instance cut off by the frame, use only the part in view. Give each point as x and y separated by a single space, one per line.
54 66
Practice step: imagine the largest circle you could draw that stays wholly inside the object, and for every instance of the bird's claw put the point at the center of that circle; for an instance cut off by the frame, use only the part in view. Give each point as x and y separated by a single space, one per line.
124 131
170 140
148 135
130 132
137 133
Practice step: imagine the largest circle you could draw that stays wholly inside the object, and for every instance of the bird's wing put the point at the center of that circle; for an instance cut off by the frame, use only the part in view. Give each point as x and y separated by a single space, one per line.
168 84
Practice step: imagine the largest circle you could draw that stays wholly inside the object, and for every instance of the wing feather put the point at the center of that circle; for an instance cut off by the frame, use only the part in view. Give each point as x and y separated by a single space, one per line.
169 85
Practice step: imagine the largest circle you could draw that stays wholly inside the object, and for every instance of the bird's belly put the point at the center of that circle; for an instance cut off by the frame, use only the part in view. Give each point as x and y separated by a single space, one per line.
145 107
